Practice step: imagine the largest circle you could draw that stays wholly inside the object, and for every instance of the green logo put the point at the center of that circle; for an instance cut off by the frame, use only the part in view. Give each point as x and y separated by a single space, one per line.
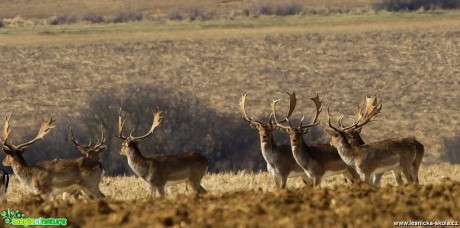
16 218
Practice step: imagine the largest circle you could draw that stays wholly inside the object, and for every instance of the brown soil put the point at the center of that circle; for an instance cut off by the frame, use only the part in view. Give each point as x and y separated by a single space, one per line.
344 205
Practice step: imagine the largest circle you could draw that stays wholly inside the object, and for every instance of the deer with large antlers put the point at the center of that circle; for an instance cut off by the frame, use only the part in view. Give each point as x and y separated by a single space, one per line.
4 180
43 182
374 158
165 170
89 167
280 162
318 161
355 139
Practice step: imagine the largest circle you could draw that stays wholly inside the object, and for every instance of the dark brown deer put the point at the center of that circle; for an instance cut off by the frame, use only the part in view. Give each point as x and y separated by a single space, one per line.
161 171
280 162
318 161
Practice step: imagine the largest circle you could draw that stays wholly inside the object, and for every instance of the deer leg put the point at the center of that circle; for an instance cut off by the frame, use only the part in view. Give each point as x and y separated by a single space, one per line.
196 186
377 178
96 192
407 175
277 181
398 178
414 173
316 181
161 190
368 179
283 181
307 180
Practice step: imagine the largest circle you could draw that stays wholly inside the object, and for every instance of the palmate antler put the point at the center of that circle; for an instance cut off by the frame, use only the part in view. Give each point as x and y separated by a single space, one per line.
45 128
121 123
372 108
363 117
315 121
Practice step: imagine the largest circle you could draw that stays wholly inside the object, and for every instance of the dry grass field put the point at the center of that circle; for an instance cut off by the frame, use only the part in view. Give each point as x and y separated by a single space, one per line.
410 61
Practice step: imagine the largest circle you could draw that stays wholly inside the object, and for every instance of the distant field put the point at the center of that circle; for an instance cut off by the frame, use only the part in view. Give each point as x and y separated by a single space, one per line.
49 8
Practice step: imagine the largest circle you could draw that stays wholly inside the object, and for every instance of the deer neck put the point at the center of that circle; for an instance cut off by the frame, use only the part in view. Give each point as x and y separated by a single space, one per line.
269 150
346 151
301 152
138 163
23 171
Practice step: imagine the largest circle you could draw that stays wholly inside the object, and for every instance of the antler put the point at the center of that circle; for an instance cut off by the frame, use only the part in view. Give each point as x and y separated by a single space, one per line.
99 143
45 128
292 104
315 121
277 123
156 121
329 120
6 131
243 110
364 116
121 125
318 111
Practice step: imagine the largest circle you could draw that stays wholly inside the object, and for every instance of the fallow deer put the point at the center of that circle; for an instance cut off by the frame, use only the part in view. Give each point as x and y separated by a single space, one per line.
165 170
318 161
4 181
355 139
280 162
43 182
374 158
89 167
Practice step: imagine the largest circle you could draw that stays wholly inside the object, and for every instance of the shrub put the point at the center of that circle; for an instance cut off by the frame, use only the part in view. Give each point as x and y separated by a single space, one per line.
2 24
287 9
188 124
75 18
174 15
127 16
412 5
451 151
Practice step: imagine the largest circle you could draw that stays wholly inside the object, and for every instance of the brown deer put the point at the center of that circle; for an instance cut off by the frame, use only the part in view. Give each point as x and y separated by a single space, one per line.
43 182
355 139
4 181
165 170
280 162
374 158
89 167
318 161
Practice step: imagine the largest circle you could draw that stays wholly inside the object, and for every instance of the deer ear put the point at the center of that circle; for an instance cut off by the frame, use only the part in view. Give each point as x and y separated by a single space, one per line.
305 131
359 130
255 126
330 132
83 151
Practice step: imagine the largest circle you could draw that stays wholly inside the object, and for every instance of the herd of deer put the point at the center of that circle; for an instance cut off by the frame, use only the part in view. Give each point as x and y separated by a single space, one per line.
347 154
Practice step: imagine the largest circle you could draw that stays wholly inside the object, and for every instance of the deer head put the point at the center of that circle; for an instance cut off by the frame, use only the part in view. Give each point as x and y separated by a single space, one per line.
88 150
363 117
265 129
296 133
14 152
131 140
